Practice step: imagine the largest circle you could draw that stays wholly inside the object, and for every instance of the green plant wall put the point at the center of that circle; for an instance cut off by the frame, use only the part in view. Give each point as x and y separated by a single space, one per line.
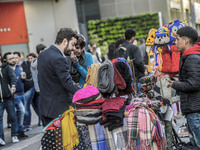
107 32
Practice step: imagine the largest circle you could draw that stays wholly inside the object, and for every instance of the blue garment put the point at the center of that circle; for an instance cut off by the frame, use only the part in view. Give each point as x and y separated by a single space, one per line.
193 121
20 110
9 105
84 70
28 101
124 60
20 84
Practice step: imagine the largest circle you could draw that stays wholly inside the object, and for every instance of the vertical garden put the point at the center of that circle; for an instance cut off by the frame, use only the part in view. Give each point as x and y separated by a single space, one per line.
105 32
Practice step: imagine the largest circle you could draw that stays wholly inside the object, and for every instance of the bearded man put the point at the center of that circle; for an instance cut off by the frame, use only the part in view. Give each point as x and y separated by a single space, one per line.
56 85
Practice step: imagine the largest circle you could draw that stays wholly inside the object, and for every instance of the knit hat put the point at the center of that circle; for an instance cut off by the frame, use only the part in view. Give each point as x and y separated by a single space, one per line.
86 94
118 79
106 78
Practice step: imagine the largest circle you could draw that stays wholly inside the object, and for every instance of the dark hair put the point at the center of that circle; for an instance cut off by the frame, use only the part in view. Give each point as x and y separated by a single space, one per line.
31 54
81 41
5 56
129 33
17 53
111 50
67 33
188 32
119 41
40 47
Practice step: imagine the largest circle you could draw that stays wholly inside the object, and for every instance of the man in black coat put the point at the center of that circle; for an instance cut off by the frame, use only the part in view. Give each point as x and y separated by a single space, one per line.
56 84
131 52
189 80
8 82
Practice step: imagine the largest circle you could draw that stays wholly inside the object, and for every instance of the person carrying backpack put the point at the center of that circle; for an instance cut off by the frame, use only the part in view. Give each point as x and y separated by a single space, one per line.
131 52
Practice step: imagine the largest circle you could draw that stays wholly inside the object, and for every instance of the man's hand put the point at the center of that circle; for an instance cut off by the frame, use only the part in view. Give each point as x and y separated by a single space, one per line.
12 90
73 57
170 83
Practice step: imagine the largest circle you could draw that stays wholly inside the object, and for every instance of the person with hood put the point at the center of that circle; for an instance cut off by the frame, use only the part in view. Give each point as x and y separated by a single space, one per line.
79 61
34 72
8 83
188 84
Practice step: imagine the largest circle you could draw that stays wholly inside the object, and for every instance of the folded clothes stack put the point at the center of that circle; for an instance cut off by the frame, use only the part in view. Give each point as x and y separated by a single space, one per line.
88 102
113 112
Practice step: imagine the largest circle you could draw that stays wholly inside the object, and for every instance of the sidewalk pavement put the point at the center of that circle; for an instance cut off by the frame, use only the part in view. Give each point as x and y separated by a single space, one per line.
30 143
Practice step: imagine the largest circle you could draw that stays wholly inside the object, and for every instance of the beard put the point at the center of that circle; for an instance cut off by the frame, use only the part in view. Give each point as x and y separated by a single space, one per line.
67 51
12 64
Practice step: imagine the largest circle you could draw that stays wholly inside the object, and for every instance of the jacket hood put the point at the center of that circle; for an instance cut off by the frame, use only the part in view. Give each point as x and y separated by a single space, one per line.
193 50
34 64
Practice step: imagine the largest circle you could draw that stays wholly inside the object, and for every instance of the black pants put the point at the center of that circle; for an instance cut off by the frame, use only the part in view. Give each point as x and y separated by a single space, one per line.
46 120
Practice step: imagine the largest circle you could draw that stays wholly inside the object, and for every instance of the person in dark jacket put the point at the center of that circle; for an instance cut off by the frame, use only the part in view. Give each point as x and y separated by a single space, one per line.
19 94
132 52
189 80
8 82
56 85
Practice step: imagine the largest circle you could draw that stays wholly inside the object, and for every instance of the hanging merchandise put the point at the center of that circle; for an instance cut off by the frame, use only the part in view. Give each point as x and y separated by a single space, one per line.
149 45
162 40
144 130
91 78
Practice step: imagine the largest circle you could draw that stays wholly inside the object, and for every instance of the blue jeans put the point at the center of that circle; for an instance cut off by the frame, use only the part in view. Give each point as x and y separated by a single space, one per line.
20 110
36 105
193 121
28 101
9 105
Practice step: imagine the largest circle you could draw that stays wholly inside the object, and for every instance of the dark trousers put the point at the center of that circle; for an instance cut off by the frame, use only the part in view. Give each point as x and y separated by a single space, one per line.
46 120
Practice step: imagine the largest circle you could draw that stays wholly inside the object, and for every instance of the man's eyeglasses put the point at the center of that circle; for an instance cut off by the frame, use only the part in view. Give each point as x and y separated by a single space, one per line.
11 58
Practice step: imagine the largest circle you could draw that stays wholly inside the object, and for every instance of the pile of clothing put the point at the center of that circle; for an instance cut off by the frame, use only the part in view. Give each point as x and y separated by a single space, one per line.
113 112
144 129
61 133
115 77
88 102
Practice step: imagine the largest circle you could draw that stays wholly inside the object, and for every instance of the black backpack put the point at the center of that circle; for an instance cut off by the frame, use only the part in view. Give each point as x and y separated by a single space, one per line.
122 51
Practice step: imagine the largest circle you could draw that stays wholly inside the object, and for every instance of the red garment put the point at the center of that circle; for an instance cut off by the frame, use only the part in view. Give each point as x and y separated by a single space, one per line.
170 61
114 60
113 104
193 50
118 79
92 107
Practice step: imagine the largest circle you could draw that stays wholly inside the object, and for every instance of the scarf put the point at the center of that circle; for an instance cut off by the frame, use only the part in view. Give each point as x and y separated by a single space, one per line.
105 78
70 135
72 69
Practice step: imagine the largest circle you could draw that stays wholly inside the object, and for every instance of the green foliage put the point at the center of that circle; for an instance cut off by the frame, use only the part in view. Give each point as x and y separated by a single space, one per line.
107 32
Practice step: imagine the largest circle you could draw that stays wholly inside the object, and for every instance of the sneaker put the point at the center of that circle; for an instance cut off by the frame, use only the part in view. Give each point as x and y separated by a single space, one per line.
2 142
39 123
15 139
27 129
21 134
9 125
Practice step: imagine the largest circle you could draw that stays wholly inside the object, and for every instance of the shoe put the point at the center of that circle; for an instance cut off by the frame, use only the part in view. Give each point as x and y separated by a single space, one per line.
27 129
15 139
9 125
21 134
40 124
2 142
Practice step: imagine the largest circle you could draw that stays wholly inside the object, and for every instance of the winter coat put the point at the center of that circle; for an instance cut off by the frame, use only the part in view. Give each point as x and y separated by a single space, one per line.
189 81
34 73
7 79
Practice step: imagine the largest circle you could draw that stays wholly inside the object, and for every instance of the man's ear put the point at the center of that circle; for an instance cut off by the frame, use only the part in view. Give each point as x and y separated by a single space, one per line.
65 42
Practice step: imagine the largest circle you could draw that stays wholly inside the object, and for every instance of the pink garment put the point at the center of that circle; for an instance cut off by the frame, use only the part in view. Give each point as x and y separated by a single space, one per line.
85 93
